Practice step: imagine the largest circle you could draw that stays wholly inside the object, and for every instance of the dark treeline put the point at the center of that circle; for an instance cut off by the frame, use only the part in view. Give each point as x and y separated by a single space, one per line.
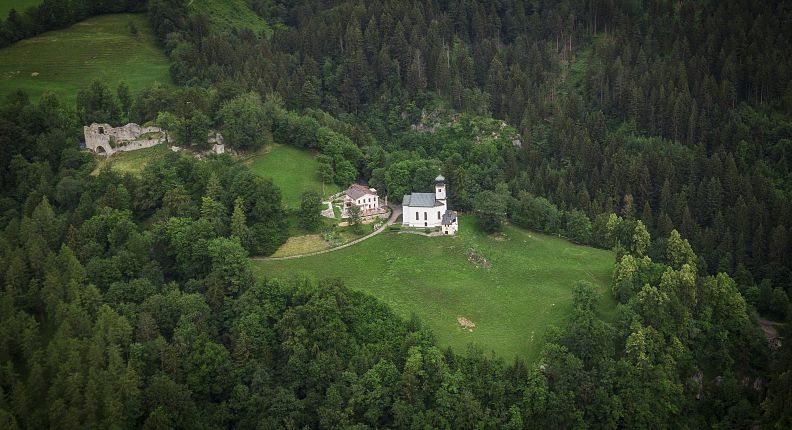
55 14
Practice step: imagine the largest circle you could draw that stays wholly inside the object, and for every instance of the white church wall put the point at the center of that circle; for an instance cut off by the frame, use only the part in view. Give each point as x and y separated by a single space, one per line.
422 217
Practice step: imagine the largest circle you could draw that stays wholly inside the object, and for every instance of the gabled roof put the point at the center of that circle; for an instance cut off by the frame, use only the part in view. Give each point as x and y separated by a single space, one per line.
356 191
448 217
421 200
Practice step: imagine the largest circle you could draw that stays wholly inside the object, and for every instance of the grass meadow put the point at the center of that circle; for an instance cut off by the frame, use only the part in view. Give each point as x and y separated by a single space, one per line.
527 289
65 61
20 6
132 162
293 170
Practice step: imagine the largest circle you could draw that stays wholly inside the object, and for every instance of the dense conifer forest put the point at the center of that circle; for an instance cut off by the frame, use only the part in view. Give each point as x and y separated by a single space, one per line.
660 129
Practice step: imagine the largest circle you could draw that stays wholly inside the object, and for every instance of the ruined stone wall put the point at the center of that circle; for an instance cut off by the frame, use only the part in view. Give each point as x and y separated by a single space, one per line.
138 144
104 138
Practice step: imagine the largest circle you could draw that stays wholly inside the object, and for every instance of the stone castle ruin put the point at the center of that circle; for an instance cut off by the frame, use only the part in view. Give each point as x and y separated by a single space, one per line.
106 139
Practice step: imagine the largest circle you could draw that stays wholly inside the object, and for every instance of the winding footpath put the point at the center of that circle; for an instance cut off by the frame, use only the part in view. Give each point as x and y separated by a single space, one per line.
395 213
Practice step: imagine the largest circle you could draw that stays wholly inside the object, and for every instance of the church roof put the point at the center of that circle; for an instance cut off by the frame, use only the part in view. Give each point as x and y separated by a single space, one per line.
421 200
448 217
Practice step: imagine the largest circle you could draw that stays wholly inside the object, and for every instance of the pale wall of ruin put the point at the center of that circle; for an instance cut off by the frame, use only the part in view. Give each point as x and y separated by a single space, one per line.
97 137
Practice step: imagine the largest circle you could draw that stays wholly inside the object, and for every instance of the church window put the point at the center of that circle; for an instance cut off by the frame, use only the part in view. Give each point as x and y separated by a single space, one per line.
425 216
438 214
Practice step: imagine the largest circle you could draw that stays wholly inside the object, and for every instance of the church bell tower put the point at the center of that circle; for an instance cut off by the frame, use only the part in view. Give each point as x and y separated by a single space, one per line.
440 188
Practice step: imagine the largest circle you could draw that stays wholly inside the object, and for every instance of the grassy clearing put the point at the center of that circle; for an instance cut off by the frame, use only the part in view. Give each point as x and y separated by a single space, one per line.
20 6
132 162
304 242
527 289
293 170
232 14
302 245
65 61
346 233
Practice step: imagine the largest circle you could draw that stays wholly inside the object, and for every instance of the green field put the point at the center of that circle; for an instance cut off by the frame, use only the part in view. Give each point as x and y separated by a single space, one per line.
132 162
527 289
293 170
66 61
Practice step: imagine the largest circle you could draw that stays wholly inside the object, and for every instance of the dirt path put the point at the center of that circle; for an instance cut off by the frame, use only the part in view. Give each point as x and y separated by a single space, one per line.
395 212
328 213
769 328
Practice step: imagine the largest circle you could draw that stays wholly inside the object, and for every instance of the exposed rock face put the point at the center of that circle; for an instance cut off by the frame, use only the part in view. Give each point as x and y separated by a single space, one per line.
106 139
217 142
423 128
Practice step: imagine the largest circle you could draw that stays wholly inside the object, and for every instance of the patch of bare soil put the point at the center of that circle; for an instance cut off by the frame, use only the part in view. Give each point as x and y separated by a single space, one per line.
770 329
499 236
466 323
478 260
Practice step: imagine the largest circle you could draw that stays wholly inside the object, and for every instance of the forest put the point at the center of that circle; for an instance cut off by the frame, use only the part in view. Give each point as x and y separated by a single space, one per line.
659 129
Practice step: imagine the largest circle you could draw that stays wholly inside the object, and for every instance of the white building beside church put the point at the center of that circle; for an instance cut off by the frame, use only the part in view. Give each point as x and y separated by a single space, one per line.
430 209
364 198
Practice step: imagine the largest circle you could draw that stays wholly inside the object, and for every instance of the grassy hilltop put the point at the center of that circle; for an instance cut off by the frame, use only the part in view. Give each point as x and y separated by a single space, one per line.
293 170
527 289
112 48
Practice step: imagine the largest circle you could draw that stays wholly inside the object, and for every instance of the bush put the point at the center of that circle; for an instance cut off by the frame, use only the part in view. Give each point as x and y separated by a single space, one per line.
538 213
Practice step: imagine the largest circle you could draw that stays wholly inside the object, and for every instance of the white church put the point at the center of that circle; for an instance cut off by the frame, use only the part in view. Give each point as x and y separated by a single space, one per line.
430 210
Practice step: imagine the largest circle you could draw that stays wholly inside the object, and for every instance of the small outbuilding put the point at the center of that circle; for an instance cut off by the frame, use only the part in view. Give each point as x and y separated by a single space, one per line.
449 224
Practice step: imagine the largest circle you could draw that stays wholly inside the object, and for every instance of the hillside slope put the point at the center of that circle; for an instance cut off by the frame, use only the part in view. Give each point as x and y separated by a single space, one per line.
229 15
111 48
525 288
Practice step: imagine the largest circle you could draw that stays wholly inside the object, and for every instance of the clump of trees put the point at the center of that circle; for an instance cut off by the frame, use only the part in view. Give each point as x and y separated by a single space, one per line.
245 122
491 210
98 103
311 208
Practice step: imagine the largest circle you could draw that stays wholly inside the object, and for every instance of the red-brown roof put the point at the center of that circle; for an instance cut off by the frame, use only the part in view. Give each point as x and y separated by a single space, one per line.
356 191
